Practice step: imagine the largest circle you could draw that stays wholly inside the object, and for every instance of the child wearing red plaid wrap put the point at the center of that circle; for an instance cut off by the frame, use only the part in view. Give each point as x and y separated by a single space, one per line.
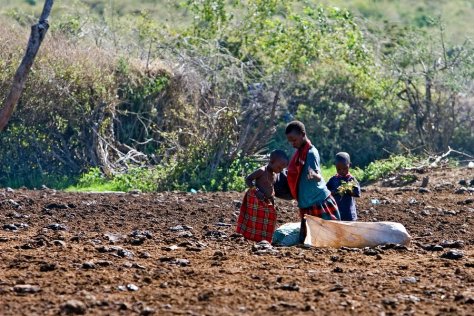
257 218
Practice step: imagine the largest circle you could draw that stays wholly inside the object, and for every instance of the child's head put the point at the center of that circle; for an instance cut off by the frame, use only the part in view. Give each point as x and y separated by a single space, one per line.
278 160
296 134
343 163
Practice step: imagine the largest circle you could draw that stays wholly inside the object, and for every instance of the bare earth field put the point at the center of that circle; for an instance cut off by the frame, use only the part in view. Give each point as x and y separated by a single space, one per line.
125 254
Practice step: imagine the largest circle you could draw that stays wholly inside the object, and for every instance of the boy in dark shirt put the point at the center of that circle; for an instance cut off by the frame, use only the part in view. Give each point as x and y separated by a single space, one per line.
344 194
257 218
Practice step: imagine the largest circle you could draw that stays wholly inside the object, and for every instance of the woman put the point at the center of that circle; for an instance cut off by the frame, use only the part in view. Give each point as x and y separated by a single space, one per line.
306 184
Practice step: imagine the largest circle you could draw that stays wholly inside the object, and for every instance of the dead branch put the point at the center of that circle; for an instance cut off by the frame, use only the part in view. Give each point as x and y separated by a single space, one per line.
38 32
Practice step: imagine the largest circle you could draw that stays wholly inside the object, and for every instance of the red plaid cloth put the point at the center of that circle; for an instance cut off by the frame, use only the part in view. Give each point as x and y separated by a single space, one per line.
326 210
257 219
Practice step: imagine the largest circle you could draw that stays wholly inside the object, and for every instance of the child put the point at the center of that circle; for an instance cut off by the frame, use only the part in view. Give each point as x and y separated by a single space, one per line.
345 194
305 180
257 218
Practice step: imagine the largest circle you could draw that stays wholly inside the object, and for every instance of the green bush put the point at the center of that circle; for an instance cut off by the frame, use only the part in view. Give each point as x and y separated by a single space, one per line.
383 168
160 178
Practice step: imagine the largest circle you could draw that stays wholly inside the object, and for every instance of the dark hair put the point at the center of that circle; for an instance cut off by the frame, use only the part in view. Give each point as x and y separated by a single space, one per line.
295 126
343 157
278 154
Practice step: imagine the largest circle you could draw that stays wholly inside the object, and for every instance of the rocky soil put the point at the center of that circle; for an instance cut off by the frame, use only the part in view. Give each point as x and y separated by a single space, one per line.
177 254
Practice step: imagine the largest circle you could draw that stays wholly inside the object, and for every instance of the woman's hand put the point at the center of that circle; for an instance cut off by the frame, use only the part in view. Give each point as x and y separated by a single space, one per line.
314 175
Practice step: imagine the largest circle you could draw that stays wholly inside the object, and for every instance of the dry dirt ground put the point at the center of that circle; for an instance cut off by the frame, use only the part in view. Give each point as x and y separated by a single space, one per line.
115 254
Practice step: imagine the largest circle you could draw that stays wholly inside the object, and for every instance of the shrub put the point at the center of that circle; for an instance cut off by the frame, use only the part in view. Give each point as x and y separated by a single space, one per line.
384 168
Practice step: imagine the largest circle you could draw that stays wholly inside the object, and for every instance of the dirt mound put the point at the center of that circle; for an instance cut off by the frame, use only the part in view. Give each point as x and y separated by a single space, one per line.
176 253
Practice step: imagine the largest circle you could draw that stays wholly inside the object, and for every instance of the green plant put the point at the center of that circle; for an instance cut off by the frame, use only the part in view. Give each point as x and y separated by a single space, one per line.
384 168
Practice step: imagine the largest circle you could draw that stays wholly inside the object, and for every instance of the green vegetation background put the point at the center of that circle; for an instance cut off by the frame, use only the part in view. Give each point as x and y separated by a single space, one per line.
333 69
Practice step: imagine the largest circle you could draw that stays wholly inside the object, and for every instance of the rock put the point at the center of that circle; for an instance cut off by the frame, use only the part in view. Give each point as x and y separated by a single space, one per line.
59 243
47 267
205 296
263 248
103 249
138 240
263 245
409 280
461 190
458 244
185 234
21 225
182 262
103 263
4 239
432 247
469 264
73 307
221 224
26 289
13 203
425 181
57 206
138 266
447 212
215 234
370 252
170 248
17 215
391 302
10 190
113 238
466 202
88 265
56 227
177 228
10 227
453 255
132 287
426 212
463 182
147 311
237 203
124 253
144 255
290 287
338 270
139 234
423 190
218 253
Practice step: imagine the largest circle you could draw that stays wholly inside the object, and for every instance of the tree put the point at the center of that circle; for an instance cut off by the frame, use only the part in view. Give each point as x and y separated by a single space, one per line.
38 32
432 78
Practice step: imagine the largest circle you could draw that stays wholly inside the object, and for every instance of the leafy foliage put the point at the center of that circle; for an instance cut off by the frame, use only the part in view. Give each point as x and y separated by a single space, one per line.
179 104
384 168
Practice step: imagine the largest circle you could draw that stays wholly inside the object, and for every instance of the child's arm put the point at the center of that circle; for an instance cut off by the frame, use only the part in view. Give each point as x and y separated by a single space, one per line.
356 190
250 179
332 186
250 182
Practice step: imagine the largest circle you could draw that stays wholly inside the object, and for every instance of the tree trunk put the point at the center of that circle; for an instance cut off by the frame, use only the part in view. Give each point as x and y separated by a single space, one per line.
38 32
